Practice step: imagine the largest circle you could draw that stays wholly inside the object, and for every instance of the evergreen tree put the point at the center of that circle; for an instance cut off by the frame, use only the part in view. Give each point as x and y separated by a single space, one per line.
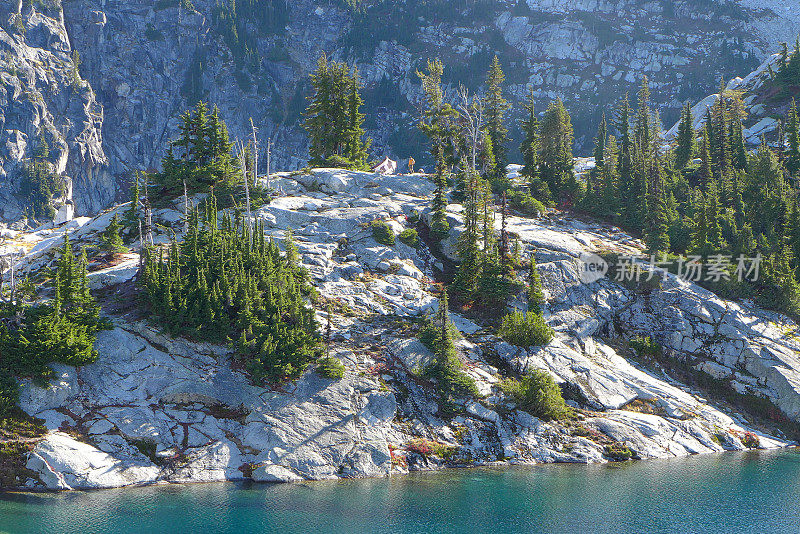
793 135
110 240
657 236
225 281
625 159
599 158
535 292
439 224
556 158
468 246
333 118
530 143
204 158
437 116
495 108
687 139
451 382
131 217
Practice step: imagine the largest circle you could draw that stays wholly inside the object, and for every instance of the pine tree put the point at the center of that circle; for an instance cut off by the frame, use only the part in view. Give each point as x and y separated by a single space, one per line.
599 159
530 144
333 118
687 139
437 115
793 137
439 225
495 108
556 158
657 236
110 241
468 246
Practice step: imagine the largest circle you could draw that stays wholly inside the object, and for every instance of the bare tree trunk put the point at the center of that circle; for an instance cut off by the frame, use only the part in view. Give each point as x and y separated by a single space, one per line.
255 155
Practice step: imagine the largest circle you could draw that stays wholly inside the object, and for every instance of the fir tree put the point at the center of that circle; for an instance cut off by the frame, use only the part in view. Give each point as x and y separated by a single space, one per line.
495 108
687 139
439 224
657 236
437 114
110 241
333 118
793 137
556 158
530 144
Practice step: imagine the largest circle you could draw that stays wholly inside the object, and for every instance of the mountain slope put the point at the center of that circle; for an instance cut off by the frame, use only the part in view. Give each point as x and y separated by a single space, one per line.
147 61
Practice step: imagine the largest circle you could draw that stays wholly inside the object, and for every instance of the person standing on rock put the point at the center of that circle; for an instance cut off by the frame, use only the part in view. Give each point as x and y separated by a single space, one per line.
411 163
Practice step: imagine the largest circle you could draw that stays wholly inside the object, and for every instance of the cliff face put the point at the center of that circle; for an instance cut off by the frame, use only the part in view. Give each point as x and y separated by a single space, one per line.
146 61
43 96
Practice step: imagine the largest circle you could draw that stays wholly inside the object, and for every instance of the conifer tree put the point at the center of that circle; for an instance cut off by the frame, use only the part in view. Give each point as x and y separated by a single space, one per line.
535 292
556 158
451 382
687 139
599 151
600 142
333 118
530 143
495 108
439 224
468 246
436 120
131 217
110 241
625 159
657 236
705 168
793 137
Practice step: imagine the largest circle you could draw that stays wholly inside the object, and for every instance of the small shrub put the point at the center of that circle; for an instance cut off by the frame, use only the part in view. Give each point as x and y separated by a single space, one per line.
645 345
413 217
538 394
420 446
382 233
330 367
409 237
425 447
618 452
751 441
525 329
526 204
540 190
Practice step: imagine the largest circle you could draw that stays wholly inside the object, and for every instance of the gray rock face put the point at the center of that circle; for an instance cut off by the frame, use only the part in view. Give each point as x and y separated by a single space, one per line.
147 62
154 408
43 96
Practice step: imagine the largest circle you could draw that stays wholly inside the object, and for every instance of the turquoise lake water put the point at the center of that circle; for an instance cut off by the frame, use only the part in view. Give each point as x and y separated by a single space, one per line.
726 493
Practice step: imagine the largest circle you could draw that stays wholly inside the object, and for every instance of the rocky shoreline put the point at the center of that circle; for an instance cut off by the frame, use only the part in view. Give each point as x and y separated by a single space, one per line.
155 409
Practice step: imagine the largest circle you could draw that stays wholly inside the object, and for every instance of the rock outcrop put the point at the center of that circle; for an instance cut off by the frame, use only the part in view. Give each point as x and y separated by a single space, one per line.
154 408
